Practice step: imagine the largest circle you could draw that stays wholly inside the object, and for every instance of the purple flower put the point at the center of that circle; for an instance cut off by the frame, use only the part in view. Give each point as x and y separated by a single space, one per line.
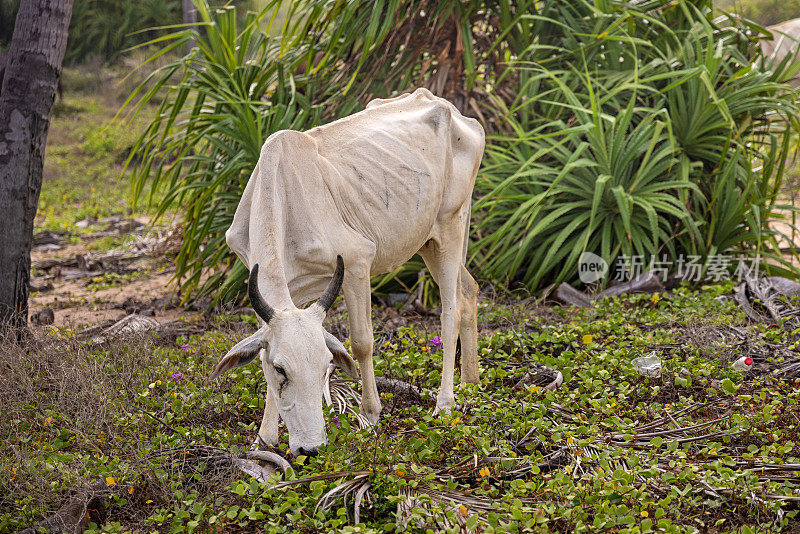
79 205
436 342
185 347
335 420
177 377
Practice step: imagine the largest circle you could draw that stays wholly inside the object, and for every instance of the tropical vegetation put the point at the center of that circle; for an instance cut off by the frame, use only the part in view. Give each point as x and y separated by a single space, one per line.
702 447
646 129
634 135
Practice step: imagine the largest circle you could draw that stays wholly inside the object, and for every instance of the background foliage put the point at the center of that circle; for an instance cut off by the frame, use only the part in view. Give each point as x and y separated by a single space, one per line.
105 28
645 129
766 12
644 132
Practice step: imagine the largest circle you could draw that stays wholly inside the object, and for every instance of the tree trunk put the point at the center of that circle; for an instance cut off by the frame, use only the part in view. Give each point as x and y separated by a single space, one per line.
29 87
189 17
189 12
3 56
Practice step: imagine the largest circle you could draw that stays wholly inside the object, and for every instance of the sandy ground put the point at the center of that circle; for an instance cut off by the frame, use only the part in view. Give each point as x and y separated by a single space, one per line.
72 280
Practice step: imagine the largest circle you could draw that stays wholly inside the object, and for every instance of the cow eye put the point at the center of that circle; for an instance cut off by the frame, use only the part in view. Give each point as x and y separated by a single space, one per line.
280 370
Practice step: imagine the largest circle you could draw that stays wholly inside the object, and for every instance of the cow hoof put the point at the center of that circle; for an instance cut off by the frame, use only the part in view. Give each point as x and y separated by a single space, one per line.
372 416
444 404
259 445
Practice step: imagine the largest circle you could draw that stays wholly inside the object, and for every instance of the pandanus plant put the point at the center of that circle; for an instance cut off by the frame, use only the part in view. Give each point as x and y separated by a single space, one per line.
618 128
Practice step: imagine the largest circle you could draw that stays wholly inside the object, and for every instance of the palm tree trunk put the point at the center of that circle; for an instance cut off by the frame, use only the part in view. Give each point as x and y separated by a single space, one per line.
29 88
189 17
189 12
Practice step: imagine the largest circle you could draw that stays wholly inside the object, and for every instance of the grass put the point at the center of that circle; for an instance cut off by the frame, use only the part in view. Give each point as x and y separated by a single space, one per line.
86 152
79 414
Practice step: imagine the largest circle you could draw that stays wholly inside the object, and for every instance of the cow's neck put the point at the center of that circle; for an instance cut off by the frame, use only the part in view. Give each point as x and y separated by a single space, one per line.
272 281
282 222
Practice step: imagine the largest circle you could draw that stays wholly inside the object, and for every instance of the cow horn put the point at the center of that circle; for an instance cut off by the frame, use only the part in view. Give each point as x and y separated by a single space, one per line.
260 305
327 298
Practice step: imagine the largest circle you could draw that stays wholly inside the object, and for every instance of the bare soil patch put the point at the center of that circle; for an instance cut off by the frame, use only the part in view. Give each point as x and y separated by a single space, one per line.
84 282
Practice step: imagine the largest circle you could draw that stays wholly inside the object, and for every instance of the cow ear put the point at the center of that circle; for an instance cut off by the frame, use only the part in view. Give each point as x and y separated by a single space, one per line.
241 354
341 358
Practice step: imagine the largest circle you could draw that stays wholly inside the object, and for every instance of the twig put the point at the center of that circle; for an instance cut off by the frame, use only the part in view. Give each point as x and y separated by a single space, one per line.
175 430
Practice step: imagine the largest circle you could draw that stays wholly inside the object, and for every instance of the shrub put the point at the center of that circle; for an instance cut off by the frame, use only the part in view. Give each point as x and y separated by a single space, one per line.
107 27
637 132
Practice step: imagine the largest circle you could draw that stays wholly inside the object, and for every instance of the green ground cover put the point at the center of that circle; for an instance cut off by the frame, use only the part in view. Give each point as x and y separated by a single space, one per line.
86 152
138 415
512 457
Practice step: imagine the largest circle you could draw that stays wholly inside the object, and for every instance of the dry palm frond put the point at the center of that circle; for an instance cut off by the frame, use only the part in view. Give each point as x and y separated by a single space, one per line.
439 504
790 369
680 435
130 325
541 376
436 507
400 389
582 460
340 394
357 486
767 300
779 472
566 415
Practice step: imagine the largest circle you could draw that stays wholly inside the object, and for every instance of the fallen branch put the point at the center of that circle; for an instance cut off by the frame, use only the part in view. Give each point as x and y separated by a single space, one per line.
74 515
399 388
644 283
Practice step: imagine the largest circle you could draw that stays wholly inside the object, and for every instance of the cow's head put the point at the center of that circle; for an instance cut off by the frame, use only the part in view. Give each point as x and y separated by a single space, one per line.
295 354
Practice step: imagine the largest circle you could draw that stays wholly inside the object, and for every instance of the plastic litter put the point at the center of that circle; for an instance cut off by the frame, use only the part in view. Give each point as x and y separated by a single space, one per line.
649 365
745 363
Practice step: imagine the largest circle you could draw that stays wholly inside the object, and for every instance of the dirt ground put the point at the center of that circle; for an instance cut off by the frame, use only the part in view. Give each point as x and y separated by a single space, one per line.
83 285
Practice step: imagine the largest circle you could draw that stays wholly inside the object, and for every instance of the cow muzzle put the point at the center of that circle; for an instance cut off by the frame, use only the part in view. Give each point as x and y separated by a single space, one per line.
310 452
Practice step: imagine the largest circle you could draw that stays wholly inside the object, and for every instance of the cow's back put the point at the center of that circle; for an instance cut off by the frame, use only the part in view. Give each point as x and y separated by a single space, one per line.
785 41
399 166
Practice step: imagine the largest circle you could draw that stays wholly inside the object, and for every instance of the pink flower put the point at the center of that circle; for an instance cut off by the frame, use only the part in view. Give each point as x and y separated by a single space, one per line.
436 342
335 420
185 347
177 377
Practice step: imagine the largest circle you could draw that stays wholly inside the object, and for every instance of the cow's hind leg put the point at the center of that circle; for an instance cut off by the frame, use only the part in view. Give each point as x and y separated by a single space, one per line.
468 332
445 265
357 291
469 327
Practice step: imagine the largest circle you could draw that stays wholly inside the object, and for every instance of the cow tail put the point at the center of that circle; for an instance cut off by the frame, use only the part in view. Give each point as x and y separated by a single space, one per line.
466 231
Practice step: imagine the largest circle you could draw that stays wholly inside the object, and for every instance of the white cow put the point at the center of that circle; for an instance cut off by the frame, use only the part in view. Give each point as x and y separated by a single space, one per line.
373 188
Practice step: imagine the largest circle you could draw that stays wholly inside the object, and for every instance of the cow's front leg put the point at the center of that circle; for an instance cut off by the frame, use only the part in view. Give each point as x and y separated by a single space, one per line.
357 296
268 432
